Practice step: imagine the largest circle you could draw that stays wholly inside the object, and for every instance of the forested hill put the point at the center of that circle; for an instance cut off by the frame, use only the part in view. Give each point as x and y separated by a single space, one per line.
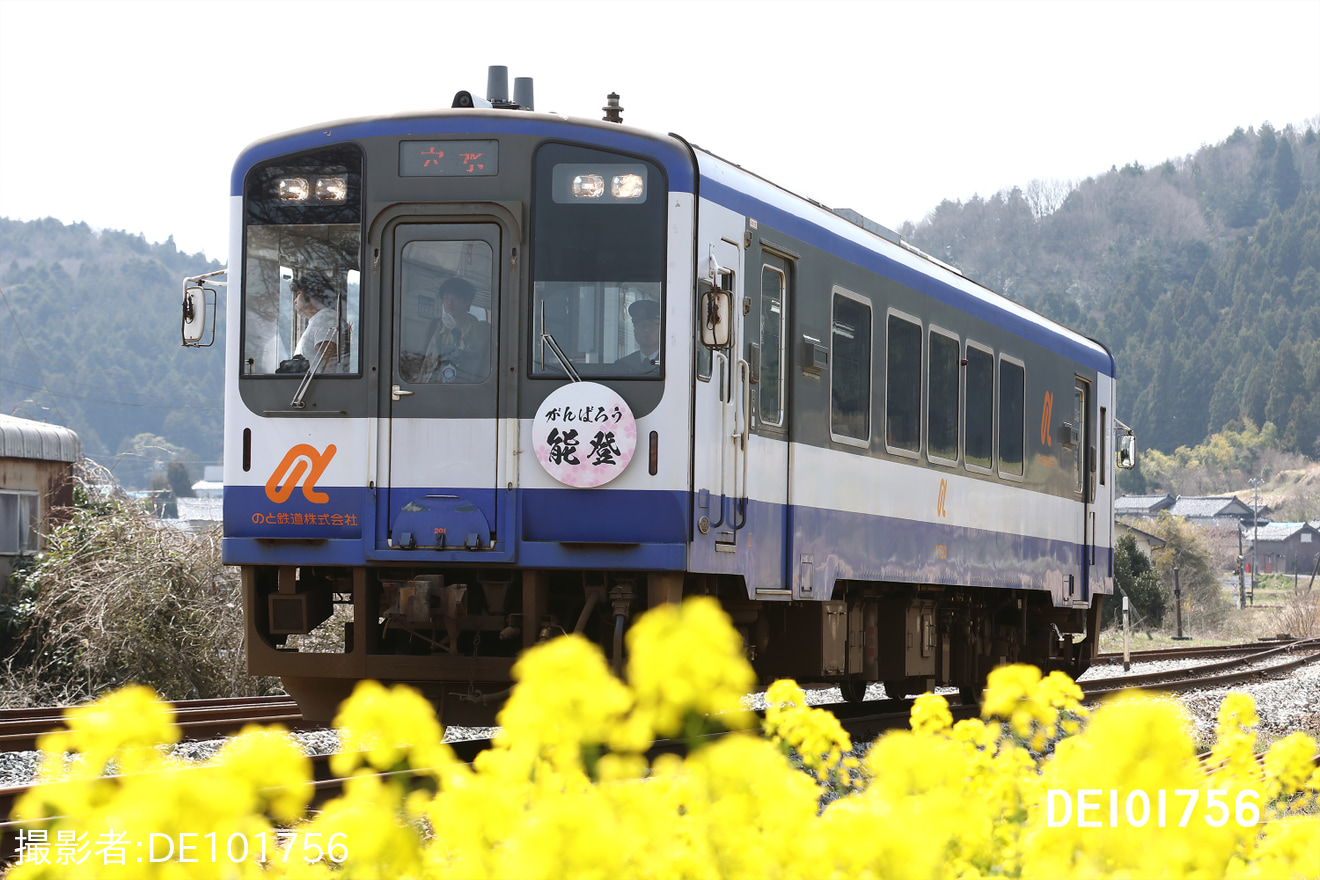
1202 275
89 338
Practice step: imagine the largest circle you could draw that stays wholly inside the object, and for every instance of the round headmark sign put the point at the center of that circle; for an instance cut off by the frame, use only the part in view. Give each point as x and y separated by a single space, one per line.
584 434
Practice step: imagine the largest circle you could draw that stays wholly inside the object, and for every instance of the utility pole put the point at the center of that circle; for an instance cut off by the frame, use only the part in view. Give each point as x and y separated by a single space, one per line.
1255 540
1242 583
1177 604
1127 627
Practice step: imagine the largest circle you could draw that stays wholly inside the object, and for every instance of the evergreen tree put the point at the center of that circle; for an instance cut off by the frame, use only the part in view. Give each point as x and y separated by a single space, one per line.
1286 383
1136 578
1285 179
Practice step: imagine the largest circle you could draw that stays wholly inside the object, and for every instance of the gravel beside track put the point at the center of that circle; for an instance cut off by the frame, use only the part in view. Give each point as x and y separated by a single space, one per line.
1284 705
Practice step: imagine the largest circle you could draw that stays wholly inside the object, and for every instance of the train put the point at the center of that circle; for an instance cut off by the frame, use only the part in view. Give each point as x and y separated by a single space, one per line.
494 375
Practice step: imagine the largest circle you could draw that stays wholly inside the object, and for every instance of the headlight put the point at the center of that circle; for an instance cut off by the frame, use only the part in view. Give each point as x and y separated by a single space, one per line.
588 186
331 189
627 186
292 189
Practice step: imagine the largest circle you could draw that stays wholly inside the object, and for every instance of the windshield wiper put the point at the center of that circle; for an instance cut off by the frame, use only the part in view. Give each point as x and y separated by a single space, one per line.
559 353
307 378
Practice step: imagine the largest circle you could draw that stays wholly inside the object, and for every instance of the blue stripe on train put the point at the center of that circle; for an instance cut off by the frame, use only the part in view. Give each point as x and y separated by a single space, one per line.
570 515
631 529
818 236
672 154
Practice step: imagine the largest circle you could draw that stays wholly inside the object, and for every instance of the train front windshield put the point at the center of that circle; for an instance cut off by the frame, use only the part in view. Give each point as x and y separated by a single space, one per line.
597 236
598 263
302 265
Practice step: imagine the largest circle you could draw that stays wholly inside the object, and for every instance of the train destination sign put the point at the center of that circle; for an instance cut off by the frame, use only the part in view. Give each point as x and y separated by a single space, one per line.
584 434
449 158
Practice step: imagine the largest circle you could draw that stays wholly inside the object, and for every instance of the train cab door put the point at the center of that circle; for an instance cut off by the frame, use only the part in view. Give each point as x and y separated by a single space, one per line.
719 429
1084 473
439 461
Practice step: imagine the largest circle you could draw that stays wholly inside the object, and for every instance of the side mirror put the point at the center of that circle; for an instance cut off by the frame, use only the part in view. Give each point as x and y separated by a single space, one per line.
1127 451
198 327
716 307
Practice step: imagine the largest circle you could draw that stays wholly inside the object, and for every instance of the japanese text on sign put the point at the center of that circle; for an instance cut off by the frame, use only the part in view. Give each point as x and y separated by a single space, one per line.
584 434
448 158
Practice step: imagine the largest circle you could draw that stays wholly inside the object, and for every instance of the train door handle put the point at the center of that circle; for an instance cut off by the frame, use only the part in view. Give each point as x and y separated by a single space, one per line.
396 392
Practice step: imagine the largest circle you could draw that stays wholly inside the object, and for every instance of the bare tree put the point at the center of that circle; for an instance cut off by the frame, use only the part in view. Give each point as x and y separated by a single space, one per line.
1047 196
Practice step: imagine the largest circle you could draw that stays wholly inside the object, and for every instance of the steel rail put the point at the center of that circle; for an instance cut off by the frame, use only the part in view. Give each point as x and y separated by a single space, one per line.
1191 678
197 719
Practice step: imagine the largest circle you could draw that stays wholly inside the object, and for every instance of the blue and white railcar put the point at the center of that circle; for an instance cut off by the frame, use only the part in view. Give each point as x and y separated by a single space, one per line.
495 375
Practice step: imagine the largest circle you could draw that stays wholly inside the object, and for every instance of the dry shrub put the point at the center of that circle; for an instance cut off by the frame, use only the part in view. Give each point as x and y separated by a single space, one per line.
120 596
1299 616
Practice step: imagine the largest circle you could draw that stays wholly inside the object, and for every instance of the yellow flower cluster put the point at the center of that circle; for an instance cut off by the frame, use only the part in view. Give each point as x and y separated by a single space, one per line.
814 734
1036 708
1035 788
82 823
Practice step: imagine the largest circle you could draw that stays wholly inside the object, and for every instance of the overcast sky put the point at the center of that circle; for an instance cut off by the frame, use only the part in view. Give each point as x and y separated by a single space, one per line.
129 115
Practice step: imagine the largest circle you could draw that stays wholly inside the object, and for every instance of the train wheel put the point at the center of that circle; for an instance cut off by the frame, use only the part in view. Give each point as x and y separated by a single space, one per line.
970 695
896 690
853 690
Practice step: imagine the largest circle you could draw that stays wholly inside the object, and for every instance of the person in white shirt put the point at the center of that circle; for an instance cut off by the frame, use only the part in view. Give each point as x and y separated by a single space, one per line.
313 300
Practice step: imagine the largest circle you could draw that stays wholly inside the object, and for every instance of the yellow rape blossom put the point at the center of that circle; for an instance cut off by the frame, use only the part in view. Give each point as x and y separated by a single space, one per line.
567 792
816 735
386 728
688 659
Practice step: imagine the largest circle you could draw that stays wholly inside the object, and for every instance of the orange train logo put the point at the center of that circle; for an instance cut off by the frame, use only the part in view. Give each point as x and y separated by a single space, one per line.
1045 419
302 464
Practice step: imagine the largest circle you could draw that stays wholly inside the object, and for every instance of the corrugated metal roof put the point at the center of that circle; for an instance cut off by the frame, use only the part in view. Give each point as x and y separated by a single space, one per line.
1207 506
1276 531
1142 502
24 438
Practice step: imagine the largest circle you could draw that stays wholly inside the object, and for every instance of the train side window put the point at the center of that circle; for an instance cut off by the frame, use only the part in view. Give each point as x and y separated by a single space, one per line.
1012 412
944 381
1104 428
979 409
774 284
903 385
850 370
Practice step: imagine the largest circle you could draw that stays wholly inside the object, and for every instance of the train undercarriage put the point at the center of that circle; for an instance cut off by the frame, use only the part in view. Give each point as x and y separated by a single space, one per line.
456 634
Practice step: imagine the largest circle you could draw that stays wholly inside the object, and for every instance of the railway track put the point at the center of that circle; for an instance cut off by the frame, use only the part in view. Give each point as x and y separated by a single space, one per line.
1189 653
863 721
197 719
1296 653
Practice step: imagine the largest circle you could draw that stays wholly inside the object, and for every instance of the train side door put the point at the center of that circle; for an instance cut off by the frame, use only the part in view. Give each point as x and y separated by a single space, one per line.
1084 480
767 518
438 435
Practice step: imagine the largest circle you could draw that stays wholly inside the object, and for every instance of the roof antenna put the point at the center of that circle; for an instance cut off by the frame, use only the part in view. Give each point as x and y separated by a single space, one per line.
613 112
497 84
522 92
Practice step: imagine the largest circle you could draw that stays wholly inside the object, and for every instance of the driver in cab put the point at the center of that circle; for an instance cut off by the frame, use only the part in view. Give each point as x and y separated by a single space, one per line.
645 316
459 352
